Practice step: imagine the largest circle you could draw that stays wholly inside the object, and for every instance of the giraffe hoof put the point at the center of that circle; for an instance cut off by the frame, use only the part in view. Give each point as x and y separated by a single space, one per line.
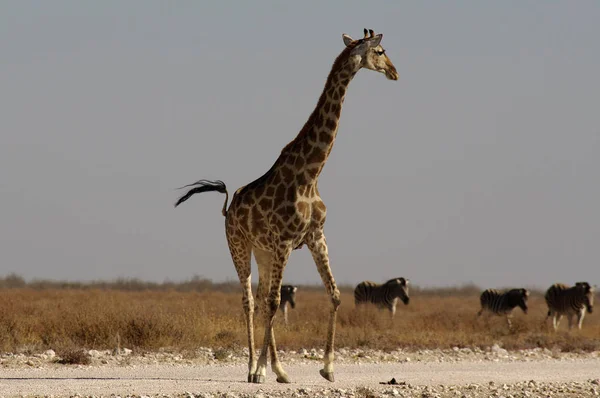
250 377
258 379
283 379
326 375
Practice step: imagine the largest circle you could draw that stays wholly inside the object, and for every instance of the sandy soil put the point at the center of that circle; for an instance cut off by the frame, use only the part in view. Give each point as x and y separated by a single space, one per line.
466 376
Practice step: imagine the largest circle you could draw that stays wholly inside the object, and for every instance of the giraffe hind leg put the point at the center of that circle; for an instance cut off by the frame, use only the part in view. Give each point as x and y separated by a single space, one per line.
240 254
270 278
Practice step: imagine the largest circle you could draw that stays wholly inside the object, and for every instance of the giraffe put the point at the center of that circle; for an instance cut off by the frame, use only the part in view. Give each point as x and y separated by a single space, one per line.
282 210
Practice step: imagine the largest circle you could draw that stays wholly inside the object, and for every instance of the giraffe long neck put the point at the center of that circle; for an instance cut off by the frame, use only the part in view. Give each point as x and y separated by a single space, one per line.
306 155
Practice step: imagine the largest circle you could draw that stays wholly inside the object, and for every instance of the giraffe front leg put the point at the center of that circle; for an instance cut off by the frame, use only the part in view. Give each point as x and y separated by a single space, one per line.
318 248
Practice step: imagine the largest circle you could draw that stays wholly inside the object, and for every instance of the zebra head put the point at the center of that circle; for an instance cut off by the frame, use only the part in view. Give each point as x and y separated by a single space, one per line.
587 292
399 287
518 297
523 301
289 292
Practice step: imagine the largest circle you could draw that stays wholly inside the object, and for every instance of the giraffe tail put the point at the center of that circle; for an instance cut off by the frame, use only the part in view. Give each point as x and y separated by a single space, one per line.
205 186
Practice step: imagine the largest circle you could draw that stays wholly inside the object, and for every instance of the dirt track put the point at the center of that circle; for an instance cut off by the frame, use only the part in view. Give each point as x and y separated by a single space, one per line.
351 379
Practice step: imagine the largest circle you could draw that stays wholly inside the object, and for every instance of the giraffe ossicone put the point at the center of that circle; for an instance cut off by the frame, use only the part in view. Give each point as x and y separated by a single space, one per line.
282 210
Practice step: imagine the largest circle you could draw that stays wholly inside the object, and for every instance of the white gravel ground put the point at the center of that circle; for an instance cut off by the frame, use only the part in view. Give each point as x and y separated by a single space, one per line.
428 373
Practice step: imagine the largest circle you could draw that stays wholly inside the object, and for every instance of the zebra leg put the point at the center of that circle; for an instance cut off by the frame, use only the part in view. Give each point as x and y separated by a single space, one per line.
285 314
271 266
570 319
557 319
318 248
580 316
240 253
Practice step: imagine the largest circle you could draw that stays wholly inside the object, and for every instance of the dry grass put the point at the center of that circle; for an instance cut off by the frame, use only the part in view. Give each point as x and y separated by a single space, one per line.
70 318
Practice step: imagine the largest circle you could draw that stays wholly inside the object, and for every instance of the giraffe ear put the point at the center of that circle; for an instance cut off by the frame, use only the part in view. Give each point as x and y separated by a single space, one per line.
347 39
374 42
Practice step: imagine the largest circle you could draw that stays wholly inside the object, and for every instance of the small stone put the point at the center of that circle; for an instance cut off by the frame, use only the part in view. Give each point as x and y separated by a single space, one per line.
94 353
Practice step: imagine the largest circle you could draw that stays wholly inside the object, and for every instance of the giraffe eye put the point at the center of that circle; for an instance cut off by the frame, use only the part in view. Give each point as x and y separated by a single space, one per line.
380 52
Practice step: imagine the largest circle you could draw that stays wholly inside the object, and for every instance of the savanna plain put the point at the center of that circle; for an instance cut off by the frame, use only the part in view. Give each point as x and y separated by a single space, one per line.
127 337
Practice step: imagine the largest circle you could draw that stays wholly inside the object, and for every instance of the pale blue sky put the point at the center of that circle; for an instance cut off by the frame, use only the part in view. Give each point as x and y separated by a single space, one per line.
480 164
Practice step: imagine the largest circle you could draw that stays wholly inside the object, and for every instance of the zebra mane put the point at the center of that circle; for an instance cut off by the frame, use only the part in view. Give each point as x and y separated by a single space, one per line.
396 281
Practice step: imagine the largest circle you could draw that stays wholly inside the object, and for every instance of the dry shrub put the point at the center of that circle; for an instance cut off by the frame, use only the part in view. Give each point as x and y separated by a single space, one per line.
91 318
73 357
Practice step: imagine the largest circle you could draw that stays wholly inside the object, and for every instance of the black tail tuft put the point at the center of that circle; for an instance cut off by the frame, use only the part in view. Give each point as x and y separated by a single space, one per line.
203 186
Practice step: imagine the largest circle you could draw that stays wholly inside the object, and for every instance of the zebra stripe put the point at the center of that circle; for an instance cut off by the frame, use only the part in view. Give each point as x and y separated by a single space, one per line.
503 303
564 300
385 295
288 295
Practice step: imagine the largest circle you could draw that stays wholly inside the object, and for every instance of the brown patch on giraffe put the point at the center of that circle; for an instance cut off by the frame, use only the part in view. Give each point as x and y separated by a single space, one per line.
336 96
299 163
312 134
279 224
304 209
289 211
259 191
270 191
337 110
257 227
302 190
279 193
291 194
242 212
301 179
331 124
316 156
265 203
263 241
312 172
287 174
326 107
318 121
320 206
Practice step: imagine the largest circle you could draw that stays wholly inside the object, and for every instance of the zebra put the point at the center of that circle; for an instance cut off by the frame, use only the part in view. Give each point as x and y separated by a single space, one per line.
383 296
503 303
569 301
288 295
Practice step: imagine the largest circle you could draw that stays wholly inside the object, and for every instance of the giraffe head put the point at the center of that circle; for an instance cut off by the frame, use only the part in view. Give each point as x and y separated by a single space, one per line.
369 54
